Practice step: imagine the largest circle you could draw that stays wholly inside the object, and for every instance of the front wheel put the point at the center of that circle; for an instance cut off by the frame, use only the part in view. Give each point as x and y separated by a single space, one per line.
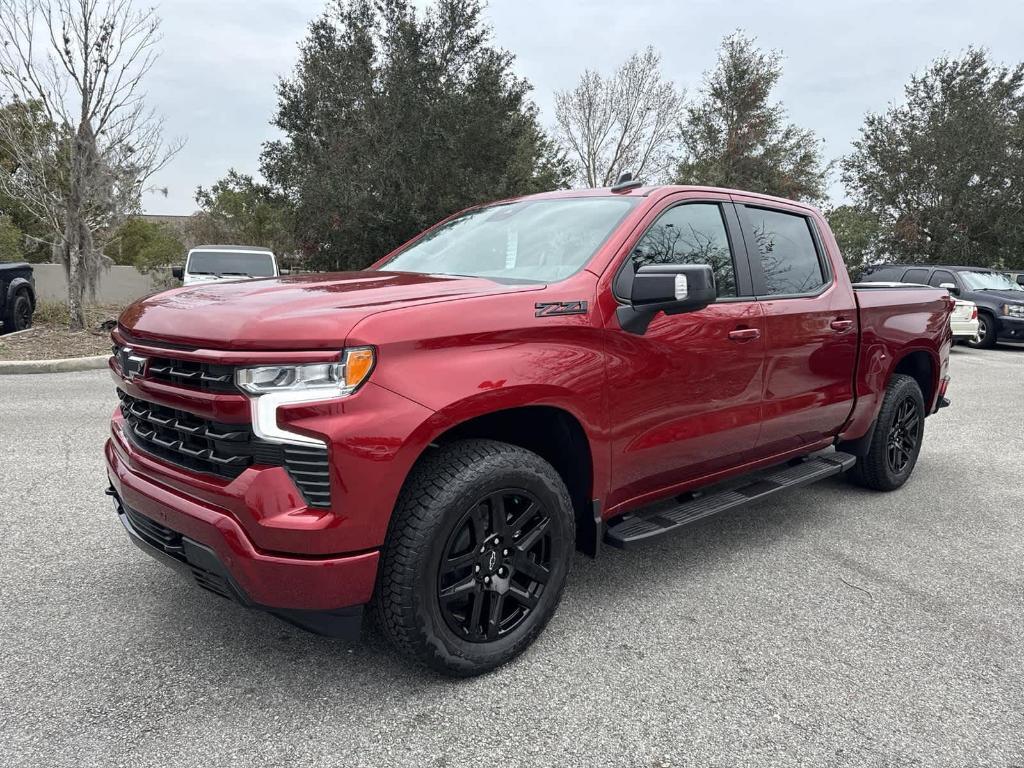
477 554
896 439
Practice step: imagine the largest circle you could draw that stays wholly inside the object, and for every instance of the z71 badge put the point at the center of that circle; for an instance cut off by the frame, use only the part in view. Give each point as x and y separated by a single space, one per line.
551 308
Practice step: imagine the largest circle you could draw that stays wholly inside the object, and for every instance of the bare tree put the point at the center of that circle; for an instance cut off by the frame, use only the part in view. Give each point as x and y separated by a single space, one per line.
82 141
627 122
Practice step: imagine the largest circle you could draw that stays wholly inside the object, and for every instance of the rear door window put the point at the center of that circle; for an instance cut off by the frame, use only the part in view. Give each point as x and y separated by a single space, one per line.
915 276
787 251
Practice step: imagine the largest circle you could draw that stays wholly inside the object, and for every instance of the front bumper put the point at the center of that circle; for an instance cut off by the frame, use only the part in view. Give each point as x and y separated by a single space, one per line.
294 587
1010 329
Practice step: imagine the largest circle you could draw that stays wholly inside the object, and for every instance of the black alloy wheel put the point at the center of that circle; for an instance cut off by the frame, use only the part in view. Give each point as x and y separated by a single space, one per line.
904 436
496 565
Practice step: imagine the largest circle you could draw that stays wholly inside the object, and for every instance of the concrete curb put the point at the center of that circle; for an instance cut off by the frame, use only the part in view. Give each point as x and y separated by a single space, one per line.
64 365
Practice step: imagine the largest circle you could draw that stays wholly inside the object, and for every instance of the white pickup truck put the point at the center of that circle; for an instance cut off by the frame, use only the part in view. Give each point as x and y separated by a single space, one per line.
217 263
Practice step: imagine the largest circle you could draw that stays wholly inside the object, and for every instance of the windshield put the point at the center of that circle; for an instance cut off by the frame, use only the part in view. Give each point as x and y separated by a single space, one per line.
231 263
989 281
532 240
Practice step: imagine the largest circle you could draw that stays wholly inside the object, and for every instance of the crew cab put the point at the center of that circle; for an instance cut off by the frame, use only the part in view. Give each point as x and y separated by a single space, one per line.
436 435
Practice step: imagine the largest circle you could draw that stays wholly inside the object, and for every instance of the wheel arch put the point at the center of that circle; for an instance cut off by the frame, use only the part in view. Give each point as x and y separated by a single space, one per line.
921 366
19 285
553 432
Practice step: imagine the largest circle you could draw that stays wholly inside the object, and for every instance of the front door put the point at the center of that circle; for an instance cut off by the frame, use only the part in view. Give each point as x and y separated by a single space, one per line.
685 396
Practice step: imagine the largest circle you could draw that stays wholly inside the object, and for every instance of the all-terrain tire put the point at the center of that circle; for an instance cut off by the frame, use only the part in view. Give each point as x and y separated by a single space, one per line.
898 432
446 495
18 316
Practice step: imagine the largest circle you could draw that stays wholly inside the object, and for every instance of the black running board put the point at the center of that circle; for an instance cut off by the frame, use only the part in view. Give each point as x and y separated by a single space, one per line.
665 517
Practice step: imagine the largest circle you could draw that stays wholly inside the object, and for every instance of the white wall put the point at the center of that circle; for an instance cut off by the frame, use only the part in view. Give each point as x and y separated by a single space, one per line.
117 285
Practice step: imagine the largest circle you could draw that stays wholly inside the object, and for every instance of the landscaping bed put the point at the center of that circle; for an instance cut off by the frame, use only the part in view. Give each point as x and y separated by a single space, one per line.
50 339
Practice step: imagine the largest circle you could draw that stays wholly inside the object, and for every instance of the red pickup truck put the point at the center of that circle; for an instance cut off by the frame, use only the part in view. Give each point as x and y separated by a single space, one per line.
437 435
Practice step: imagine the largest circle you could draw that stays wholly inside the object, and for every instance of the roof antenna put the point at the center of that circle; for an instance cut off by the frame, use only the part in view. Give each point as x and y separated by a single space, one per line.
625 183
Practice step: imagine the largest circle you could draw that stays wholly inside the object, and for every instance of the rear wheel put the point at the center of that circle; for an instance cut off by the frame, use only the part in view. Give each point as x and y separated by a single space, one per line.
19 313
477 554
896 439
986 336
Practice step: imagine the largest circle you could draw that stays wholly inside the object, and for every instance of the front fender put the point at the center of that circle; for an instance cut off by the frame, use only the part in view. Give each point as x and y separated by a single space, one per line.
19 284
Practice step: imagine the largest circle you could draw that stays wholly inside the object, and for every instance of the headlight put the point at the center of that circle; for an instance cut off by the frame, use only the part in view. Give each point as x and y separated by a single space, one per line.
275 385
1013 310
319 380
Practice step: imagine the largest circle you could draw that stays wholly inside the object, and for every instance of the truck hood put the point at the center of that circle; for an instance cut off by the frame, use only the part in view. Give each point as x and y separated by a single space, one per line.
301 312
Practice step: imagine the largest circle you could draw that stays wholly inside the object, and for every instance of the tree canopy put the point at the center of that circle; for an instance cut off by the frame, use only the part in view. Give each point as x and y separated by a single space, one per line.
145 244
734 136
394 119
238 209
943 172
628 122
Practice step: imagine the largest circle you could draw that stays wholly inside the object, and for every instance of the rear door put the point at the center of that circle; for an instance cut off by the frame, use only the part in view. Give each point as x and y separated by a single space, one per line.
685 396
810 320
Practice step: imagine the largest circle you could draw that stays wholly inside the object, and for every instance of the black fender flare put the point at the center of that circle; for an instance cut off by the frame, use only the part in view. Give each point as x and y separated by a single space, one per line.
20 284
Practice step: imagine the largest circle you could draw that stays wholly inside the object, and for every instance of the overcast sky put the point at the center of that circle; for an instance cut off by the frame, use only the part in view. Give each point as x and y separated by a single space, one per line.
215 82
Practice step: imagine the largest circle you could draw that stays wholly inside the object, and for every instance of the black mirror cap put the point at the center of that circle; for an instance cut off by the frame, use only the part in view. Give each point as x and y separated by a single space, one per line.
669 288
178 273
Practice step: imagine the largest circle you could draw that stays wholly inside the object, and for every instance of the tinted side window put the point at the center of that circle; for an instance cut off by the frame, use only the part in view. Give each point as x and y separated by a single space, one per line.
940 276
882 274
789 257
693 233
915 276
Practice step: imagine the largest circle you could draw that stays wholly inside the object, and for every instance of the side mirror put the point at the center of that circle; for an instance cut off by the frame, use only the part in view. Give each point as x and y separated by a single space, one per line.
951 287
669 288
178 273
1020 279
284 271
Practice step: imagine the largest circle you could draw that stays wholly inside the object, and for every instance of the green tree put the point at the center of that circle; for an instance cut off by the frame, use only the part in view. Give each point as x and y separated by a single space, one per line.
11 240
22 234
395 119
857 231
145 244
239 210
944 171
734 136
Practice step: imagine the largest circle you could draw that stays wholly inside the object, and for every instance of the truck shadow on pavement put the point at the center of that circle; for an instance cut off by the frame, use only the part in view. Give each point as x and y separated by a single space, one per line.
265 649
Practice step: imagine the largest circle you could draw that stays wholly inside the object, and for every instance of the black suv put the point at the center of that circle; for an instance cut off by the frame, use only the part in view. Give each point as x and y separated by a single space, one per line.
1000 300
17 297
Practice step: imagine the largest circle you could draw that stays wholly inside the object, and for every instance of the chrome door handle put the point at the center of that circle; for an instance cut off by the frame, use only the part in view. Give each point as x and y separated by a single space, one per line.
841 325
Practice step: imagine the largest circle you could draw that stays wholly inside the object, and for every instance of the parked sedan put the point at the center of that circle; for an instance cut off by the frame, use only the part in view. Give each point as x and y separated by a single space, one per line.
964 321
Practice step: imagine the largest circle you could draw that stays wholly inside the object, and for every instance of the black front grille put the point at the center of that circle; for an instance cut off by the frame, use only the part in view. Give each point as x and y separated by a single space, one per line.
189 373
206 377
224 450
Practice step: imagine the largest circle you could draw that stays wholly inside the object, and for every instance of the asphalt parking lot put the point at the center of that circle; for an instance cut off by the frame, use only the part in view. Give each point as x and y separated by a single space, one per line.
833 626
